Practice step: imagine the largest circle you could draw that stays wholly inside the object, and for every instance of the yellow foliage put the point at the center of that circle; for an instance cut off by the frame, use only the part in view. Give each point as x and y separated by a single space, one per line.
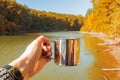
105 18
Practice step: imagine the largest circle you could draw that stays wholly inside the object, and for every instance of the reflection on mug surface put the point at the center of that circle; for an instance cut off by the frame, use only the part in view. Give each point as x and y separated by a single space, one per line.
67 52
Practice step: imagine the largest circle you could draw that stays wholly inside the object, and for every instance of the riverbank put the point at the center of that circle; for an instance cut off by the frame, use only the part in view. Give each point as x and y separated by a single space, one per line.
106 52
33 31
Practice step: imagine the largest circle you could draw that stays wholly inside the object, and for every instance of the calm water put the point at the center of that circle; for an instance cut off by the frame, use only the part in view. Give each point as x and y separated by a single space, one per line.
99 60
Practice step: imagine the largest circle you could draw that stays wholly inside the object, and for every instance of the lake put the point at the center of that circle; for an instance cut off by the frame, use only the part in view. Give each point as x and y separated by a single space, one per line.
99 56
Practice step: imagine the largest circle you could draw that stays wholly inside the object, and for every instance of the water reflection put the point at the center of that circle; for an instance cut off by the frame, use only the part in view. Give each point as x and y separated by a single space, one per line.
106 57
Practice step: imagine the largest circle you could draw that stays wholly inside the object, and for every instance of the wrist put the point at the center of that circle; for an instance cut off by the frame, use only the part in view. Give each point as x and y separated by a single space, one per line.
19 64
14 72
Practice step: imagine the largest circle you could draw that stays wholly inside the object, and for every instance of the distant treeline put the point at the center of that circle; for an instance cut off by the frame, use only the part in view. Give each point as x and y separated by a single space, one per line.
15 17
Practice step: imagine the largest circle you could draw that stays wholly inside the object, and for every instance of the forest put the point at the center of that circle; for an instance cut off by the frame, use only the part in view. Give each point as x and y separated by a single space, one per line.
103 17
17 18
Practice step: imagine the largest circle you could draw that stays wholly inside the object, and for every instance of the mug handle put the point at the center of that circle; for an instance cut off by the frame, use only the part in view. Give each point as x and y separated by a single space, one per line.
44 53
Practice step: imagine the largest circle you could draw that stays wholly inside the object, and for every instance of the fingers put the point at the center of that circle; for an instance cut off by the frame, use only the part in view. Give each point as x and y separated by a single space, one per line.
43 41
46 47
46 51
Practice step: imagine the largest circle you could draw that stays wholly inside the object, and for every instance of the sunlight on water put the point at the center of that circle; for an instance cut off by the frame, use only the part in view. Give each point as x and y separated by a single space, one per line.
99 60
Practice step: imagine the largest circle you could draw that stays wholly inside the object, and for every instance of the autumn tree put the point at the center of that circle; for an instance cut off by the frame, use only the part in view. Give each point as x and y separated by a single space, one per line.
105 17
15 17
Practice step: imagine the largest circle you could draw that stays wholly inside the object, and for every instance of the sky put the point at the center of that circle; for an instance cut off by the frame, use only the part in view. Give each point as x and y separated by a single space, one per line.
75 7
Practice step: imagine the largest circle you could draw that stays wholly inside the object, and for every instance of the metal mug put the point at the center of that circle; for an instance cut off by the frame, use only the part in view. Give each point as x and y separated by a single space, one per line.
66 51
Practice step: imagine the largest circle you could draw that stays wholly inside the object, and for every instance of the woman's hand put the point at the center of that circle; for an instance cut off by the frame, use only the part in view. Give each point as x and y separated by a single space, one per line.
32 60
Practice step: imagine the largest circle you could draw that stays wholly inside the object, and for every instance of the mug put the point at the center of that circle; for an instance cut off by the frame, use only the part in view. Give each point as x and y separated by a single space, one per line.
66 51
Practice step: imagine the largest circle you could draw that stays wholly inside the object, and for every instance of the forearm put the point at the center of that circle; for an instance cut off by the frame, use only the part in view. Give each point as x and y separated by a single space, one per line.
7 72
30 62
20 64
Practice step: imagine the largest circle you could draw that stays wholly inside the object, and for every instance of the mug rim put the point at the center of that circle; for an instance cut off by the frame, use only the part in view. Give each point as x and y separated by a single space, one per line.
71 38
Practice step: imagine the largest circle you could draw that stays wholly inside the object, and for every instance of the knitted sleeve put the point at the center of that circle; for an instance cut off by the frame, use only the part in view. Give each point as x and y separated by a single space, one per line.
5 75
